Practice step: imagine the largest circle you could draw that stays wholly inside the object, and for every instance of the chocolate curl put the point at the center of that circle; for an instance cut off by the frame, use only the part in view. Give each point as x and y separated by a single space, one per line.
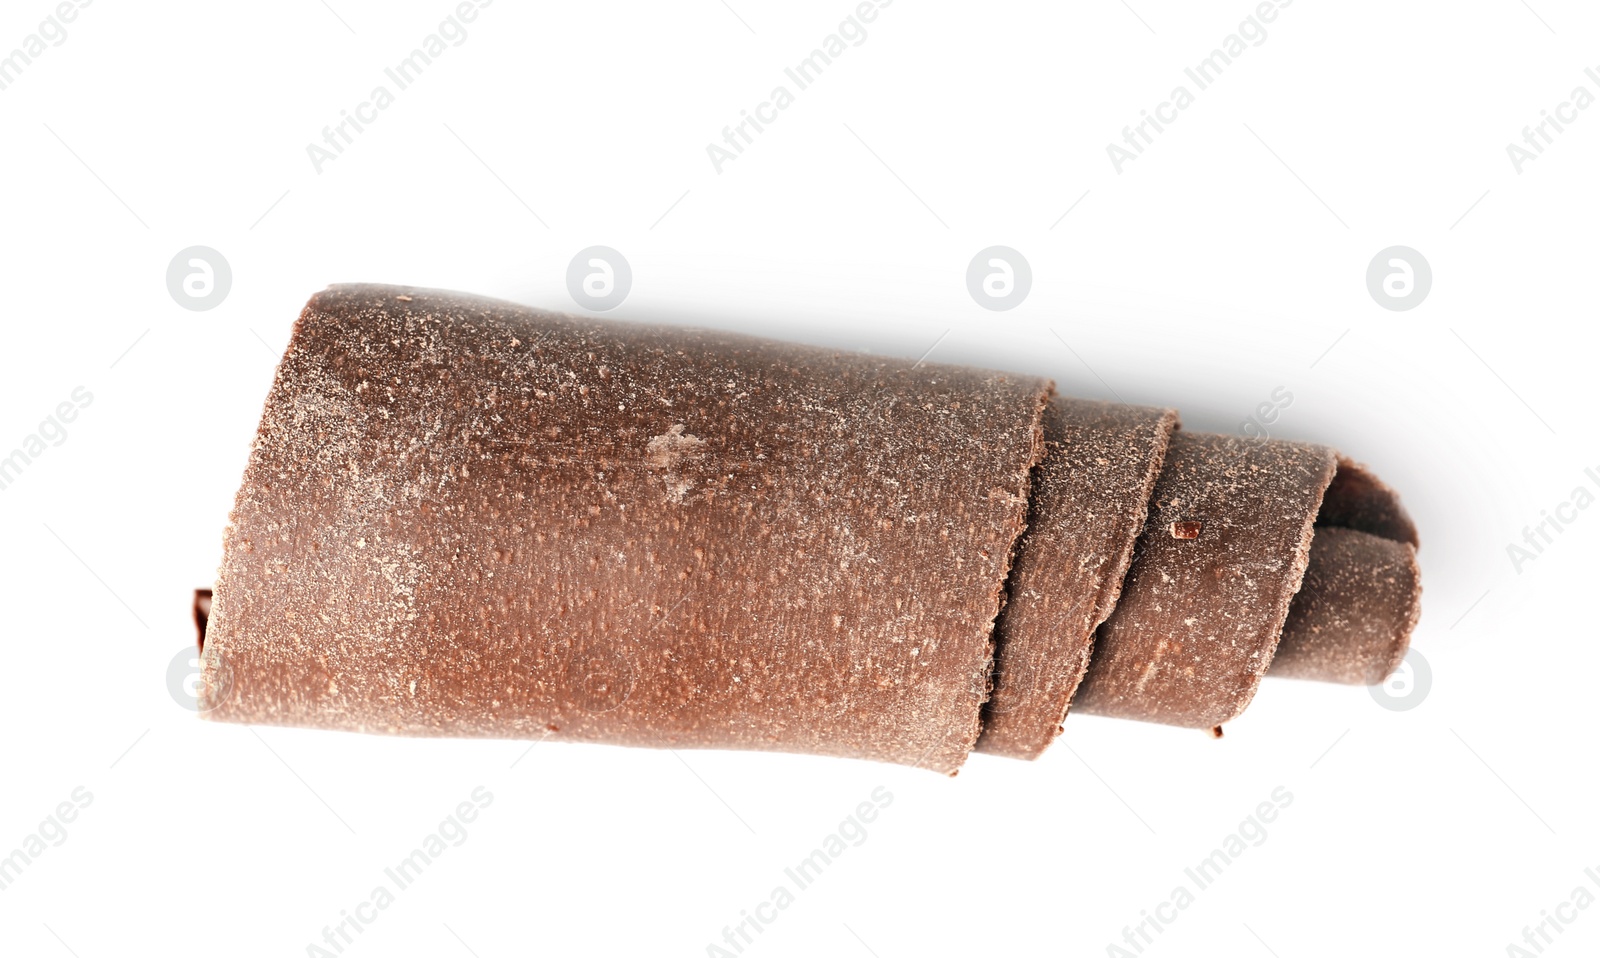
1357 499
466 517
1352 619
1200 614
1089 503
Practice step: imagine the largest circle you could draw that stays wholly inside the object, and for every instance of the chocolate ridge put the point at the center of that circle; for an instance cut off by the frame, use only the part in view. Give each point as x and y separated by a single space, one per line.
1200 615
1089 502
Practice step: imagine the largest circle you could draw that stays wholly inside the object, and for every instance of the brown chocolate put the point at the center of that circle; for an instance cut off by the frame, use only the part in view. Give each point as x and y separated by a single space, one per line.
1089 502
466 517
202 612
1352 618
1351 621
1199 618
1357 499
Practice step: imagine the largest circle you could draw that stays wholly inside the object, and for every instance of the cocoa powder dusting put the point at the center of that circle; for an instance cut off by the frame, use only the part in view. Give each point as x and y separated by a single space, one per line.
466 517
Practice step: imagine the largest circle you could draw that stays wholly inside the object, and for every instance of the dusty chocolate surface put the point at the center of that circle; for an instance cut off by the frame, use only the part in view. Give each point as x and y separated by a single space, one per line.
1090 496
1199 618
1351 621
466 517
1358 499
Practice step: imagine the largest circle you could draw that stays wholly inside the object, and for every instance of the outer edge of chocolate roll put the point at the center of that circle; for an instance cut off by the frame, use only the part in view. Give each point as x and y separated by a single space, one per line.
1002 596
1358 499
1327 635
1408 625
314 660
1351 621
1203 680
1090 501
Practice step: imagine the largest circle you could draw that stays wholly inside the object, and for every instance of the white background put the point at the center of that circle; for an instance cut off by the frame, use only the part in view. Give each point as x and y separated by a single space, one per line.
1221 264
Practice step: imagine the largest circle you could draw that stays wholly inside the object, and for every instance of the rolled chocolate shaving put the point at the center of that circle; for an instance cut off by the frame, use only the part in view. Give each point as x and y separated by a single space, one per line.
1089 503
1199 618
1357 499
466 517
1352 618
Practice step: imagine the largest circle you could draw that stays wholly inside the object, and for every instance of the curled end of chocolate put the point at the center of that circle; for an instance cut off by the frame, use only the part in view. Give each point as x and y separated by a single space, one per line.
1202 616
1351 620
202 614
1358 499
1230 526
